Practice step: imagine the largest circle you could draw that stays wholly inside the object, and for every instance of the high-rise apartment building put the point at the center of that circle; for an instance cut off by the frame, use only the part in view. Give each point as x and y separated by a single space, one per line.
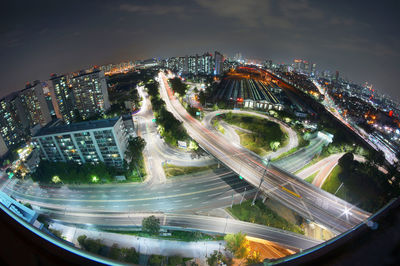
85 142
218 63
192 65
89 89
34 104
62 98
11 129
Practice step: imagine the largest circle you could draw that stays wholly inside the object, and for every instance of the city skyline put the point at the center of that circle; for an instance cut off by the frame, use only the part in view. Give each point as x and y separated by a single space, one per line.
358 41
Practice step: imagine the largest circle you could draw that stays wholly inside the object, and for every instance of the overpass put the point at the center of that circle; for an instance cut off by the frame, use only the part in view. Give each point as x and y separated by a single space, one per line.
310 202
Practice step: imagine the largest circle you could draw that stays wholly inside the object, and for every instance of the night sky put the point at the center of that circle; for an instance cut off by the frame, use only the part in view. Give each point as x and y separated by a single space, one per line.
360 39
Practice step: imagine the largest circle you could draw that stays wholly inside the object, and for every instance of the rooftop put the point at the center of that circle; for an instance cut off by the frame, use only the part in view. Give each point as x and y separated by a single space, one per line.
56 128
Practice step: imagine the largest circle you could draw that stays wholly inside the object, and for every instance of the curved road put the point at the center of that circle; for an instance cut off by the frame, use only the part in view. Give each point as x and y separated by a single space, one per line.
197 222
292 135
156 151
307 200
203 191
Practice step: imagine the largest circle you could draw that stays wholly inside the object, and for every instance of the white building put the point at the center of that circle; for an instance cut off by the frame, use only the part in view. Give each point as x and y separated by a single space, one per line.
85 142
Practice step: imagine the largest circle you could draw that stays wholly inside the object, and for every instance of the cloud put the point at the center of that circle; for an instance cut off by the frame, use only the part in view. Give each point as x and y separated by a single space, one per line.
283 14
152 9
363 45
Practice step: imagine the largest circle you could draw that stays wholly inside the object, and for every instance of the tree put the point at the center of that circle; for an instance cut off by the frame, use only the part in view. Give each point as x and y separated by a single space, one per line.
175 260
81 239
91 245
130 255
214 258
254 258
115 252
135 148
151 225
202 97
152 88
346 161
378 157
155 260
237 244
178 86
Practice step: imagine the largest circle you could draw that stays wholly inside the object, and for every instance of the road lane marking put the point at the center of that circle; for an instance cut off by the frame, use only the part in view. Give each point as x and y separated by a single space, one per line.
128 200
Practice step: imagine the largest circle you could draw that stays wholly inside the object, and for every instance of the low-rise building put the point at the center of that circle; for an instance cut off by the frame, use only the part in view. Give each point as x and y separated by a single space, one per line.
85 142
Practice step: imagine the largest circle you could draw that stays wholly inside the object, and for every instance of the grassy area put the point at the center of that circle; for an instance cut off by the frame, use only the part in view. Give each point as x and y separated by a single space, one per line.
292 150
302 143
217 125
266 135
175 170
310 178
248 141
261 214
187 236
332 183
317 158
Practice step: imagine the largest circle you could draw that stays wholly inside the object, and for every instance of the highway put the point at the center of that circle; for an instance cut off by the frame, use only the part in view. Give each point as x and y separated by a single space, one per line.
202 191
294 162
305 199
123 221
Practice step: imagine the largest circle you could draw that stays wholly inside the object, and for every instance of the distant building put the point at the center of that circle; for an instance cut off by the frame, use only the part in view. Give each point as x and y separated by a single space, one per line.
337 76
205 64
218 63
34 104
90 93
268 64
85 142
237 57
313 68
193 65
146 63
304 67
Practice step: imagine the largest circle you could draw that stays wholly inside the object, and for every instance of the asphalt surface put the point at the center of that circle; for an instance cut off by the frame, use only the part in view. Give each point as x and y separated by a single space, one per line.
310 202
302 157
202 191
123 221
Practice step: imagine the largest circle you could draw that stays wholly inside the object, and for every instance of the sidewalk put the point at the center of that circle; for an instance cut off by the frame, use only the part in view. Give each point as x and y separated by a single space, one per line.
143 245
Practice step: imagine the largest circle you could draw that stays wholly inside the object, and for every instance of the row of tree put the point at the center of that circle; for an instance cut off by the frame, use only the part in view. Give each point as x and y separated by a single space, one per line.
178 86
170 128
134 157
369 187
95 246
73 173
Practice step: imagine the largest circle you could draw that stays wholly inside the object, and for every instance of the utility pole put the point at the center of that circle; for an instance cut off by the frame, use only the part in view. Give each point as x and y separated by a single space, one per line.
226 223
258 189
244 193
259 186
232 200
